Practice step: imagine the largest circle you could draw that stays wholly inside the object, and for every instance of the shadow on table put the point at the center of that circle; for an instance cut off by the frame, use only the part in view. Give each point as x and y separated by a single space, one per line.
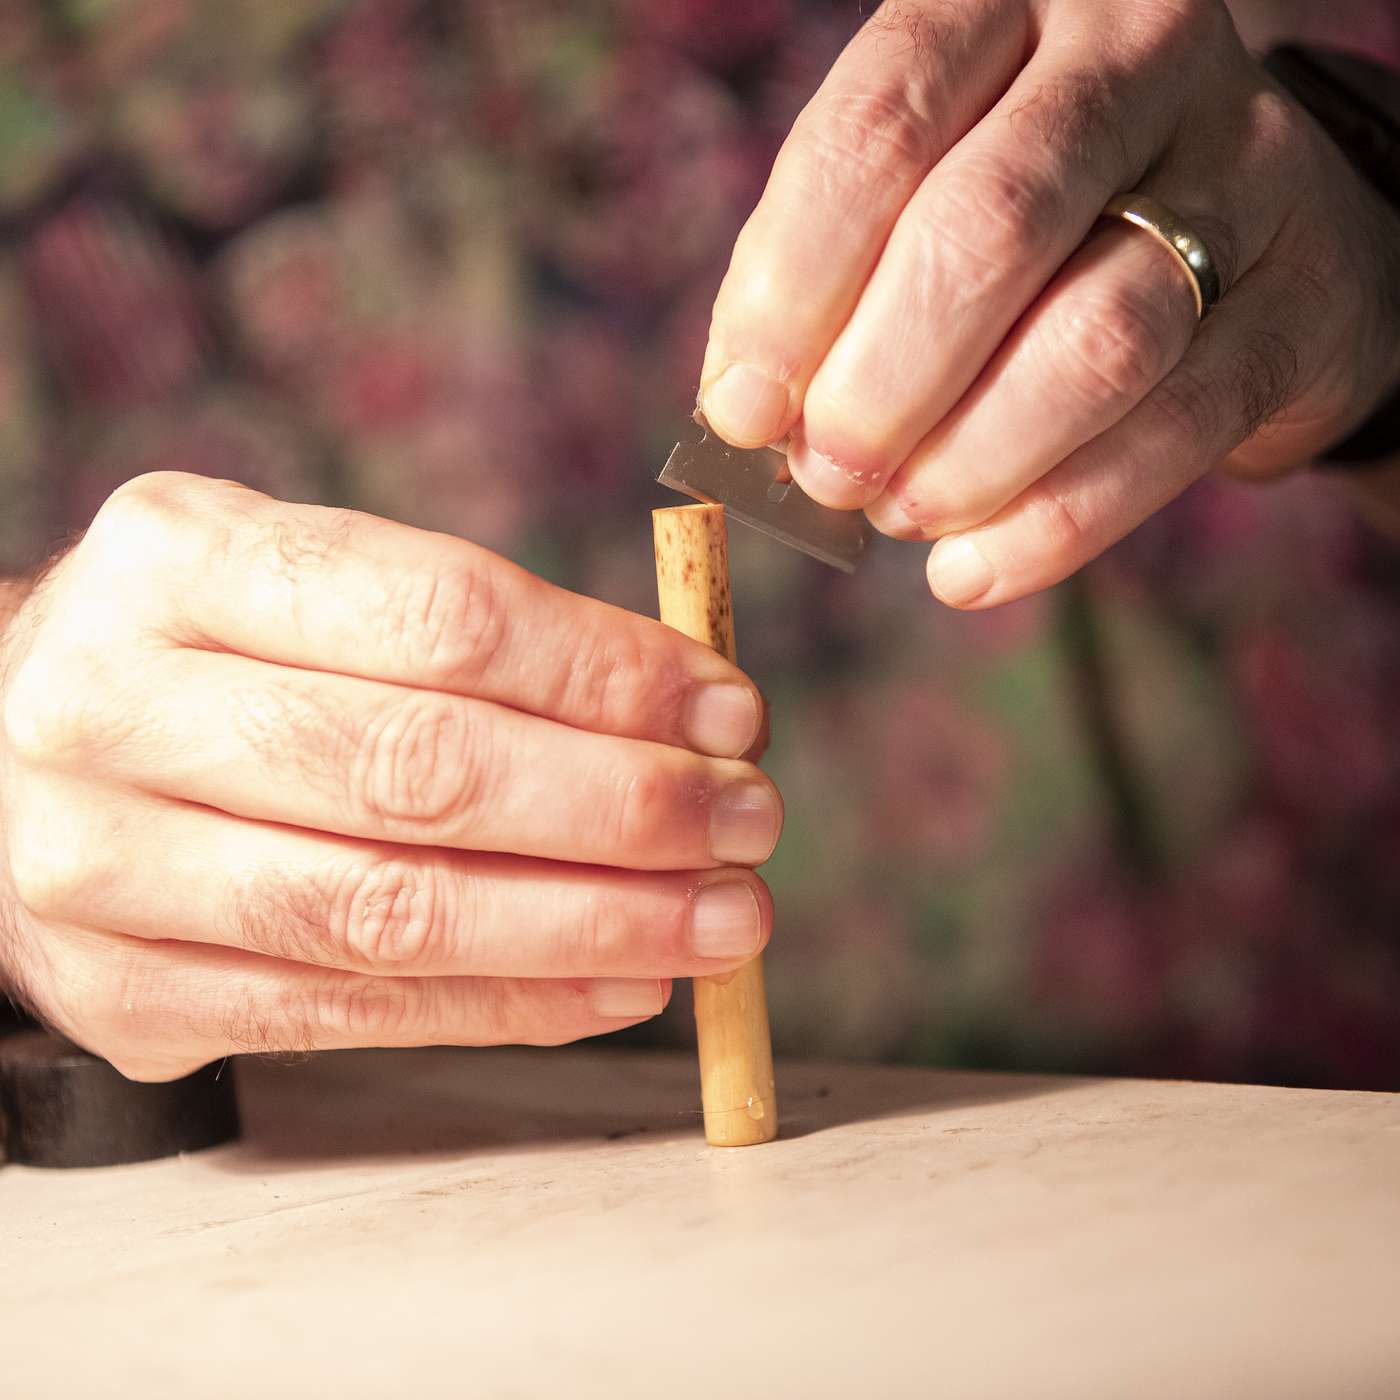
395 1104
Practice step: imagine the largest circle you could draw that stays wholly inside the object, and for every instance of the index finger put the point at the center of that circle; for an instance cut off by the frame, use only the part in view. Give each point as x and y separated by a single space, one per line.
908 86
226 568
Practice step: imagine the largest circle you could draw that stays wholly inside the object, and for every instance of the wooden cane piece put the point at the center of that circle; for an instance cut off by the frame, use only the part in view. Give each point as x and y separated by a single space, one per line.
731 1010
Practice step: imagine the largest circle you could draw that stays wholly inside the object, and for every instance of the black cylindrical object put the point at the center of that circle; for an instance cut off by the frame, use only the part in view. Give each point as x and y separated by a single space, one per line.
63 1107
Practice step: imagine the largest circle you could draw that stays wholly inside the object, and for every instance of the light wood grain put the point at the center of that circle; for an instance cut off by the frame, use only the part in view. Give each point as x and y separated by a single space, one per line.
731 1011
516 1223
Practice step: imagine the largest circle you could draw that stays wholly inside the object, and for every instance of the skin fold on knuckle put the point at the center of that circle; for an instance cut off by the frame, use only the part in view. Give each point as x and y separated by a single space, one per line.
637 930
1106 351
986 228
613 684
422 761
654 808
485 1011
449 621
541 1013
346 1008
395 914
598 939
850 138
1062 530
642 809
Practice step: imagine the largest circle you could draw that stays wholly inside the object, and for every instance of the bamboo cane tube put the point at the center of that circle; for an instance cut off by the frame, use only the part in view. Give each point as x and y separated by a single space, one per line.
731 1010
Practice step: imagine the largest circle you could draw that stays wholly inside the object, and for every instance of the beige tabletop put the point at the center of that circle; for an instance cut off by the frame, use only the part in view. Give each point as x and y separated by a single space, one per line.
530 1223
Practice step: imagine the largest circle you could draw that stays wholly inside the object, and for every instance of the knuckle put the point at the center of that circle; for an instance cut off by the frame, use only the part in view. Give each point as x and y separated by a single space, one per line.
539 1015
345 1006
391 915
848 138
450 622
1112 352
609 680
990 223
1062 529
150 491
421 762
640 810
155 526
65 706
603 935
144 515
51 878
495 1018
35 726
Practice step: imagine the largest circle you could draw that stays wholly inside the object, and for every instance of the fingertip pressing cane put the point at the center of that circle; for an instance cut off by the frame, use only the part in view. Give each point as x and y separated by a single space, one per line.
731 1009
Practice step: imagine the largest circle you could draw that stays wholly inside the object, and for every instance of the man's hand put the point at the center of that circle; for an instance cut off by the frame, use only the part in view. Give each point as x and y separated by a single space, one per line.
926 299
279 777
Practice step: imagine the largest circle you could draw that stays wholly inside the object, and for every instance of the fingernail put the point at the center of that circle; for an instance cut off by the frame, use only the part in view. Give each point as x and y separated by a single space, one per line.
722 720
958 571
725 921
829 484
745 406
625 997
744 824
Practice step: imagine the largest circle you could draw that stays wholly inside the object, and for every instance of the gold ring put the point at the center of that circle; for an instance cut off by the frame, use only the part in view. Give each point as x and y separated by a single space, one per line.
1178 237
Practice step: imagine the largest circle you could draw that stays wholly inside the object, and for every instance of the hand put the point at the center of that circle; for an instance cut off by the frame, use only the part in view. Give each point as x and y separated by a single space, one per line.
280 777
926 299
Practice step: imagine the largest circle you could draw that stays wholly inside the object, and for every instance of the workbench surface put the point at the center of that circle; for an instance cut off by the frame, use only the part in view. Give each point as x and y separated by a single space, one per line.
551 1223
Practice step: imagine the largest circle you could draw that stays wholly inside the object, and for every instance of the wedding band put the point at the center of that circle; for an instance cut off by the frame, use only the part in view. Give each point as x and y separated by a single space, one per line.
1178 237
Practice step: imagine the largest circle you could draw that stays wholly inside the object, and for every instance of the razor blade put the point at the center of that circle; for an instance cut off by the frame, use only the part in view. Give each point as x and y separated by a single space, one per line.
753 486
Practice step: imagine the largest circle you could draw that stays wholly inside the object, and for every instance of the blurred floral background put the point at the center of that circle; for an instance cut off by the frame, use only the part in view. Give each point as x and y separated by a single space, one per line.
453 263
